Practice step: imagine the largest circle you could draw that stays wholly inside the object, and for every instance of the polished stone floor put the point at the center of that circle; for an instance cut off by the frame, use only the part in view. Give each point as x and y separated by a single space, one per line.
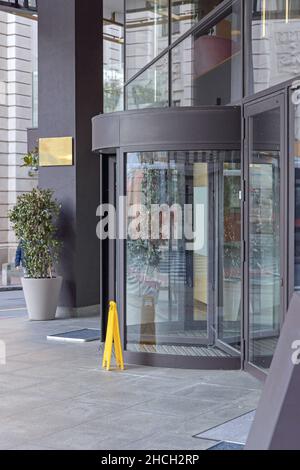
55 395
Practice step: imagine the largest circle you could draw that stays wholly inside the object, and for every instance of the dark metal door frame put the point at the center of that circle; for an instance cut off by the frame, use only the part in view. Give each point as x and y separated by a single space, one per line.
252 109
219 266
107 247
112 162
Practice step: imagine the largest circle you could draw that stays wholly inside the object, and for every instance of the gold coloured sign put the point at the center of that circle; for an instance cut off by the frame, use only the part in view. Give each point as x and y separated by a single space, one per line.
57 151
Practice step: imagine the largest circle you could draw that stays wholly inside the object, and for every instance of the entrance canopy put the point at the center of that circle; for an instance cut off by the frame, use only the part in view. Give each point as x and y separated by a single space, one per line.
199 127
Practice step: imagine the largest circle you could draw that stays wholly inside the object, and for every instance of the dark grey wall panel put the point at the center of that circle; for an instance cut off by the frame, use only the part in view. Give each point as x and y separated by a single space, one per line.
201 126
32 138
89 65
56 68
70 94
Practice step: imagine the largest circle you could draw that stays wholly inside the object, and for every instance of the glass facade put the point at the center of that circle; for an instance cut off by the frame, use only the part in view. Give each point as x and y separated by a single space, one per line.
151 88
113 64
183 285
186 53
187 13
147 32
274 43
206 66
113 58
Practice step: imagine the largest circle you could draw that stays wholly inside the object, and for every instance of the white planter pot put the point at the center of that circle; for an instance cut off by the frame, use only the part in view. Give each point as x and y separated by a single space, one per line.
41 296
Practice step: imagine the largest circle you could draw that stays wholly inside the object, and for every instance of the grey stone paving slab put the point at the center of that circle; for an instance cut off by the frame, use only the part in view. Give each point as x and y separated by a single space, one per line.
108 432
164 385
85 437
9 383
170 441
236 430
14 404
58 397
11 299
120 396
177 406
214 392
31 447
219 414
137 424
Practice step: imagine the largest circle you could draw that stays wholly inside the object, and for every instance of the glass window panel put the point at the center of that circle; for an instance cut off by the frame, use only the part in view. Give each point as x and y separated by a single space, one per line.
228 221
264 238
147 33
113 58
295 102
206 67
274 43
174 297
151 88
186 13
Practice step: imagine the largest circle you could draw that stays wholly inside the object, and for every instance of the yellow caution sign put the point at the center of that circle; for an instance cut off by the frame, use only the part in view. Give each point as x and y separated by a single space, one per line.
113 338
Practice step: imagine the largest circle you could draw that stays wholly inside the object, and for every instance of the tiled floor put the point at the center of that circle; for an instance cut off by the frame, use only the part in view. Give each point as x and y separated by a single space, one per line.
55 395
235 430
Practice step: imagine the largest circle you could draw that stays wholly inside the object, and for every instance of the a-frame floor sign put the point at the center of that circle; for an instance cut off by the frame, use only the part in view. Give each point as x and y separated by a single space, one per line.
113 338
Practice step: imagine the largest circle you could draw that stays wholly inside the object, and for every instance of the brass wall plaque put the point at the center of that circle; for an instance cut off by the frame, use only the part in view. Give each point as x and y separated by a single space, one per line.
57 151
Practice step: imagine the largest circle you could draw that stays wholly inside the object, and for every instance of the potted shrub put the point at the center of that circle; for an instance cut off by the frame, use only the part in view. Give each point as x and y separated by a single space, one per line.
33 220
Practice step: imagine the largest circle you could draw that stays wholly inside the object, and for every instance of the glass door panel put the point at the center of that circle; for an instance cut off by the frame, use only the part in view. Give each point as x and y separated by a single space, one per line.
167 275
175 222
229 247
295 197
264 233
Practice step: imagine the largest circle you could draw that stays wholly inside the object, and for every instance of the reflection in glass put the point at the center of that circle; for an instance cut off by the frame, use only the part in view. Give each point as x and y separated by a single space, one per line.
206 67
274 43
296 106
173 302
113 62
264 238
186 13
228 221
18 111
151 88
147 33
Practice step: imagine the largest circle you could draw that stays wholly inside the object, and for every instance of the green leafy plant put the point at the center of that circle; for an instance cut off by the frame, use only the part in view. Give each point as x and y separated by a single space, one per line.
31 161
33 220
